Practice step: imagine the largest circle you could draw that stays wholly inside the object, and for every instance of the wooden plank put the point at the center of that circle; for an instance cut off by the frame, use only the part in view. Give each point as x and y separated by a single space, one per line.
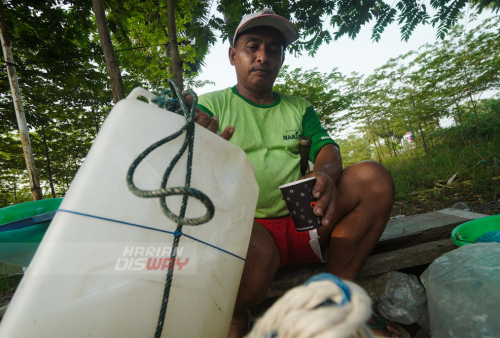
404 258
423 228
433 234
418 223
462 213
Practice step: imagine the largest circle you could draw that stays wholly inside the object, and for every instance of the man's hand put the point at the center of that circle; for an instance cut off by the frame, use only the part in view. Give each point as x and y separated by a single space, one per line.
211 123
327 170
325 191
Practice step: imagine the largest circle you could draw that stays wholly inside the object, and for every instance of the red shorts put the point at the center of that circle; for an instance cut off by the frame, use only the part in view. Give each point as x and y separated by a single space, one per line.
294 247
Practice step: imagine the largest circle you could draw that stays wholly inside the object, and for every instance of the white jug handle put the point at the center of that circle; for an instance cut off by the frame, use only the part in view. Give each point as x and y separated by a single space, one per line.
139 91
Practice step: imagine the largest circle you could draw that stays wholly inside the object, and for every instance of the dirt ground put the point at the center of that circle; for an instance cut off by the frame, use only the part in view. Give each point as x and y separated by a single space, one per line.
441 199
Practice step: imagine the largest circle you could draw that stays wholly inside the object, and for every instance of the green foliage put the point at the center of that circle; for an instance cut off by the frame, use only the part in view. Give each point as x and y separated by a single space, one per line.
477 159
136 23
9 284
414 91
355 149
321 90
64 101
487 126
347 17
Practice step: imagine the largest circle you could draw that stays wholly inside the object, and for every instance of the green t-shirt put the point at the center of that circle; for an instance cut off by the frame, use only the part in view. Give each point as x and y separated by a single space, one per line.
269 135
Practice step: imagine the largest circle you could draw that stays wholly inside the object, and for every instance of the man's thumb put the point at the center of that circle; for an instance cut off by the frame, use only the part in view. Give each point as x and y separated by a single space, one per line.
227 133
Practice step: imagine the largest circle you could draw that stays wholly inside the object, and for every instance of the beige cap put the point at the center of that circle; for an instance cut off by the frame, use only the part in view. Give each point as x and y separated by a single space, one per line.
267 17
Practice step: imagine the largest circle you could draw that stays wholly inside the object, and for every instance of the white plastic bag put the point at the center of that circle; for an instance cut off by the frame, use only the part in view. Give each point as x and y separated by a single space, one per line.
403 299
463 292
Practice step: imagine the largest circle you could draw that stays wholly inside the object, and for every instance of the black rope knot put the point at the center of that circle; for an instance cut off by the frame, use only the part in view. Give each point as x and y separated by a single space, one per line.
178 105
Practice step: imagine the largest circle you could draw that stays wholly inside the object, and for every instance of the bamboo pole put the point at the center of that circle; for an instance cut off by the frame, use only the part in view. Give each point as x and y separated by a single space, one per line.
18 106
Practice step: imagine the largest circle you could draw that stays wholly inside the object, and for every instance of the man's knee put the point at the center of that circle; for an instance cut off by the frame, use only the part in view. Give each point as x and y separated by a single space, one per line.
373 177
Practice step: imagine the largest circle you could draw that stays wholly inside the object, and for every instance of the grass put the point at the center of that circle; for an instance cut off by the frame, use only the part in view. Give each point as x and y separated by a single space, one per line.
473 154
9 284
10 276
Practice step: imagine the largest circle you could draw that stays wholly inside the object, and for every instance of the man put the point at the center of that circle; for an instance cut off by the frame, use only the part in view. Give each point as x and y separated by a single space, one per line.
355 202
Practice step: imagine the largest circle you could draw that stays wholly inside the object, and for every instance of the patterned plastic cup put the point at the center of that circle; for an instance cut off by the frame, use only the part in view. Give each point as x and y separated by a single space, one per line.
300 202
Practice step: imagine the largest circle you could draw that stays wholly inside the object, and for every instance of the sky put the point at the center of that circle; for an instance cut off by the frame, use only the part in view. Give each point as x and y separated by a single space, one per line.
360 55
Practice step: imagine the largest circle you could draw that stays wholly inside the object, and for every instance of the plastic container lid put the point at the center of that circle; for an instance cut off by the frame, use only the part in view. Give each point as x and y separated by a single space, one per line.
468 232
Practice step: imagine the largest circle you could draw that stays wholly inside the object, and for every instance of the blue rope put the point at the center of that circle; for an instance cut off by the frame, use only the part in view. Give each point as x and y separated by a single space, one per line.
176 233
346 293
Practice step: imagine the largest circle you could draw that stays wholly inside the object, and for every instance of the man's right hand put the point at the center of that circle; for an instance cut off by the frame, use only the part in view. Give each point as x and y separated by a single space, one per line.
211 123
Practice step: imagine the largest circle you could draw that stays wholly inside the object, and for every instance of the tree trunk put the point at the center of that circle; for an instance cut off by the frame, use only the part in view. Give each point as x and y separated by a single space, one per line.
469 91
422 135
459 111
374 140
174 48
386 142
473 103
18 106
49 169
376 148
389 139
109 53
420 130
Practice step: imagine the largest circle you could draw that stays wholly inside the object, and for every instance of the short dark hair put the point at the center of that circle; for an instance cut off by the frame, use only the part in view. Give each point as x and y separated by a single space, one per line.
235 44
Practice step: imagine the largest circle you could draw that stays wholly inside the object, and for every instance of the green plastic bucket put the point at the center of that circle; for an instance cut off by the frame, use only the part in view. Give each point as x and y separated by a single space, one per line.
22 227
470 231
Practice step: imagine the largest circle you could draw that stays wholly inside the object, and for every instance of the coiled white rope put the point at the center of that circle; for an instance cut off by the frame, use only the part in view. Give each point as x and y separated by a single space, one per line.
324 307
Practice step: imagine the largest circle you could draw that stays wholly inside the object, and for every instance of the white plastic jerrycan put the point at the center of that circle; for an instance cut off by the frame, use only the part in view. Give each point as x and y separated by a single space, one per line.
101 268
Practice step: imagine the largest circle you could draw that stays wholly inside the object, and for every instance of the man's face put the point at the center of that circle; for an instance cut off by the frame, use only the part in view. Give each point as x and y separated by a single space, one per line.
258 57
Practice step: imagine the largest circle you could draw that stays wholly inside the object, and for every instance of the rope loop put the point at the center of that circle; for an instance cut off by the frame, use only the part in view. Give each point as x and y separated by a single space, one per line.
344 289
324 306
178 105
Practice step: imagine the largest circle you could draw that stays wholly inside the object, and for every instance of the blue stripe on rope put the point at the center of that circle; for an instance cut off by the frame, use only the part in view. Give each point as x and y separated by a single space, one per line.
346 293
176 233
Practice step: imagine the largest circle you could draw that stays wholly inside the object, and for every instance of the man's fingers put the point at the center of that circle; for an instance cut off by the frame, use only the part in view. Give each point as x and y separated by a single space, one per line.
325 191
213 124
202 119
330 209
320 186
189 100
322 204
227 133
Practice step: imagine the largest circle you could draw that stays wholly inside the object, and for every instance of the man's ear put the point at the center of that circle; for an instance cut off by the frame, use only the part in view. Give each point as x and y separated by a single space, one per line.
231 54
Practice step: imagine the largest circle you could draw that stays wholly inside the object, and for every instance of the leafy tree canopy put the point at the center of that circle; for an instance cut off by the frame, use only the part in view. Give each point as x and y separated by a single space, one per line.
321 90
321 21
